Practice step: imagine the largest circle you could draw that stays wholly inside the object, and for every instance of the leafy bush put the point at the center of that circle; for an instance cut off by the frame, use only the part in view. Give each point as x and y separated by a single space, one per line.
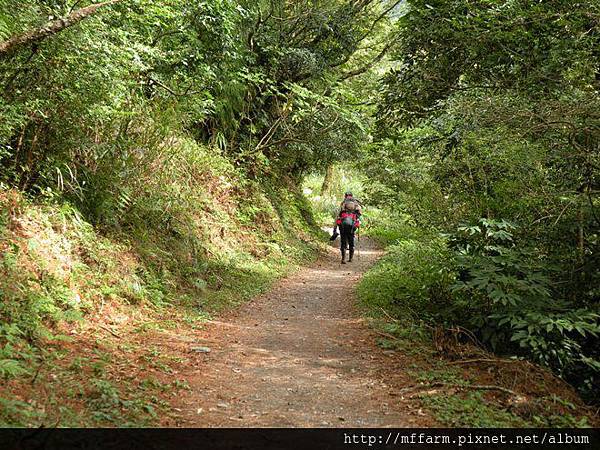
483 279
389 227
513 303
413 278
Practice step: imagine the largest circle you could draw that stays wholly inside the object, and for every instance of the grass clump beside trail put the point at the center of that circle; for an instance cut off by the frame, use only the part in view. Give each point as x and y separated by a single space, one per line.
409 296
83 307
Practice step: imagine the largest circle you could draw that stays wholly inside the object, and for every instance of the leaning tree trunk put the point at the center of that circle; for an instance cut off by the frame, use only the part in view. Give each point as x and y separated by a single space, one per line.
51 27
327 181
580 228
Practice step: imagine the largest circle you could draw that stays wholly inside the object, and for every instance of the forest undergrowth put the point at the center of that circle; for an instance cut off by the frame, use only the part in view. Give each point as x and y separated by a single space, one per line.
459 378
85 310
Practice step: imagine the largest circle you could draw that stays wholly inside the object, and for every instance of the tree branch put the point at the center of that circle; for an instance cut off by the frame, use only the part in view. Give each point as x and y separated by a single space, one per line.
378 19
482 387
370 64
51 27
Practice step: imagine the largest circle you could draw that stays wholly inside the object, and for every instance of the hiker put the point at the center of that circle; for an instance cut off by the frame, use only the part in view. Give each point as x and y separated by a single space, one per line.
348 221
350 204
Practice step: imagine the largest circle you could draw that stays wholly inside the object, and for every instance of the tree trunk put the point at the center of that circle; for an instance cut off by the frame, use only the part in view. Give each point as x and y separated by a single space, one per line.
580 231
51 27
327 181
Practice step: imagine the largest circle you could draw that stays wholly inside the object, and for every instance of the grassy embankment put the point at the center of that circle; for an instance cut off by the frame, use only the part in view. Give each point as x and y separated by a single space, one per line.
84 309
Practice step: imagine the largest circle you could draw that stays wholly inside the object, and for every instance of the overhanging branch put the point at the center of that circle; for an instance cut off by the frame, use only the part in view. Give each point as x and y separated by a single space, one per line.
51 27
370 64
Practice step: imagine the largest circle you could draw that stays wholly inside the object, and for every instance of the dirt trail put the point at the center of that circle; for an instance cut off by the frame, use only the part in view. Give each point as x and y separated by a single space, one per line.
298 356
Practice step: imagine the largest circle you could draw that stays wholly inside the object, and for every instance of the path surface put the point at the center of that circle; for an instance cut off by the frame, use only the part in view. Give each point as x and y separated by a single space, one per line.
298 356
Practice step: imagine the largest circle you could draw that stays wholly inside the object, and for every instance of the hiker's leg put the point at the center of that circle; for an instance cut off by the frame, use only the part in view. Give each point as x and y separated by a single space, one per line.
351 245
343 243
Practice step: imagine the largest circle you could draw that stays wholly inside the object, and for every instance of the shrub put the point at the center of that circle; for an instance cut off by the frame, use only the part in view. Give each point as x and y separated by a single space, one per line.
514 306
414 276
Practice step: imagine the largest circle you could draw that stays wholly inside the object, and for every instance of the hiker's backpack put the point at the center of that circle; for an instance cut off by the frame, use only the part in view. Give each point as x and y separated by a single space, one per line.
348 220
350 205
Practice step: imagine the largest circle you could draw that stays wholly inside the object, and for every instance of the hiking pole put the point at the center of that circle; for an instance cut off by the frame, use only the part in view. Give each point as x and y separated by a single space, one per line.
358 242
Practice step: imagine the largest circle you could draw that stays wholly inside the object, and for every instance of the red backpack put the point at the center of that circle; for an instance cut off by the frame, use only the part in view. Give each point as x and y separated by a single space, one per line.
349 218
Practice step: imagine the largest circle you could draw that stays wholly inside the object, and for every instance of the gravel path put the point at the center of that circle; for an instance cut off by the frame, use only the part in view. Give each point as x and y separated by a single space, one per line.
299 356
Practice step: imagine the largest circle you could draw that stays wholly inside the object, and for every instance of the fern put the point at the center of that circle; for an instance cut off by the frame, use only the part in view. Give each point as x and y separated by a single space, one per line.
10 368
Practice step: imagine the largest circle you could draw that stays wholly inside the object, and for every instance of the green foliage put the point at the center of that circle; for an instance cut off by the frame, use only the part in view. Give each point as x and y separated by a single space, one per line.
519 47
400 180
490 111
17 413
481 279
325 195
556 339
512 300
10 368
471 411
28 308
108 405
446 375
493 267
133 75
389 227
550 419
412 279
